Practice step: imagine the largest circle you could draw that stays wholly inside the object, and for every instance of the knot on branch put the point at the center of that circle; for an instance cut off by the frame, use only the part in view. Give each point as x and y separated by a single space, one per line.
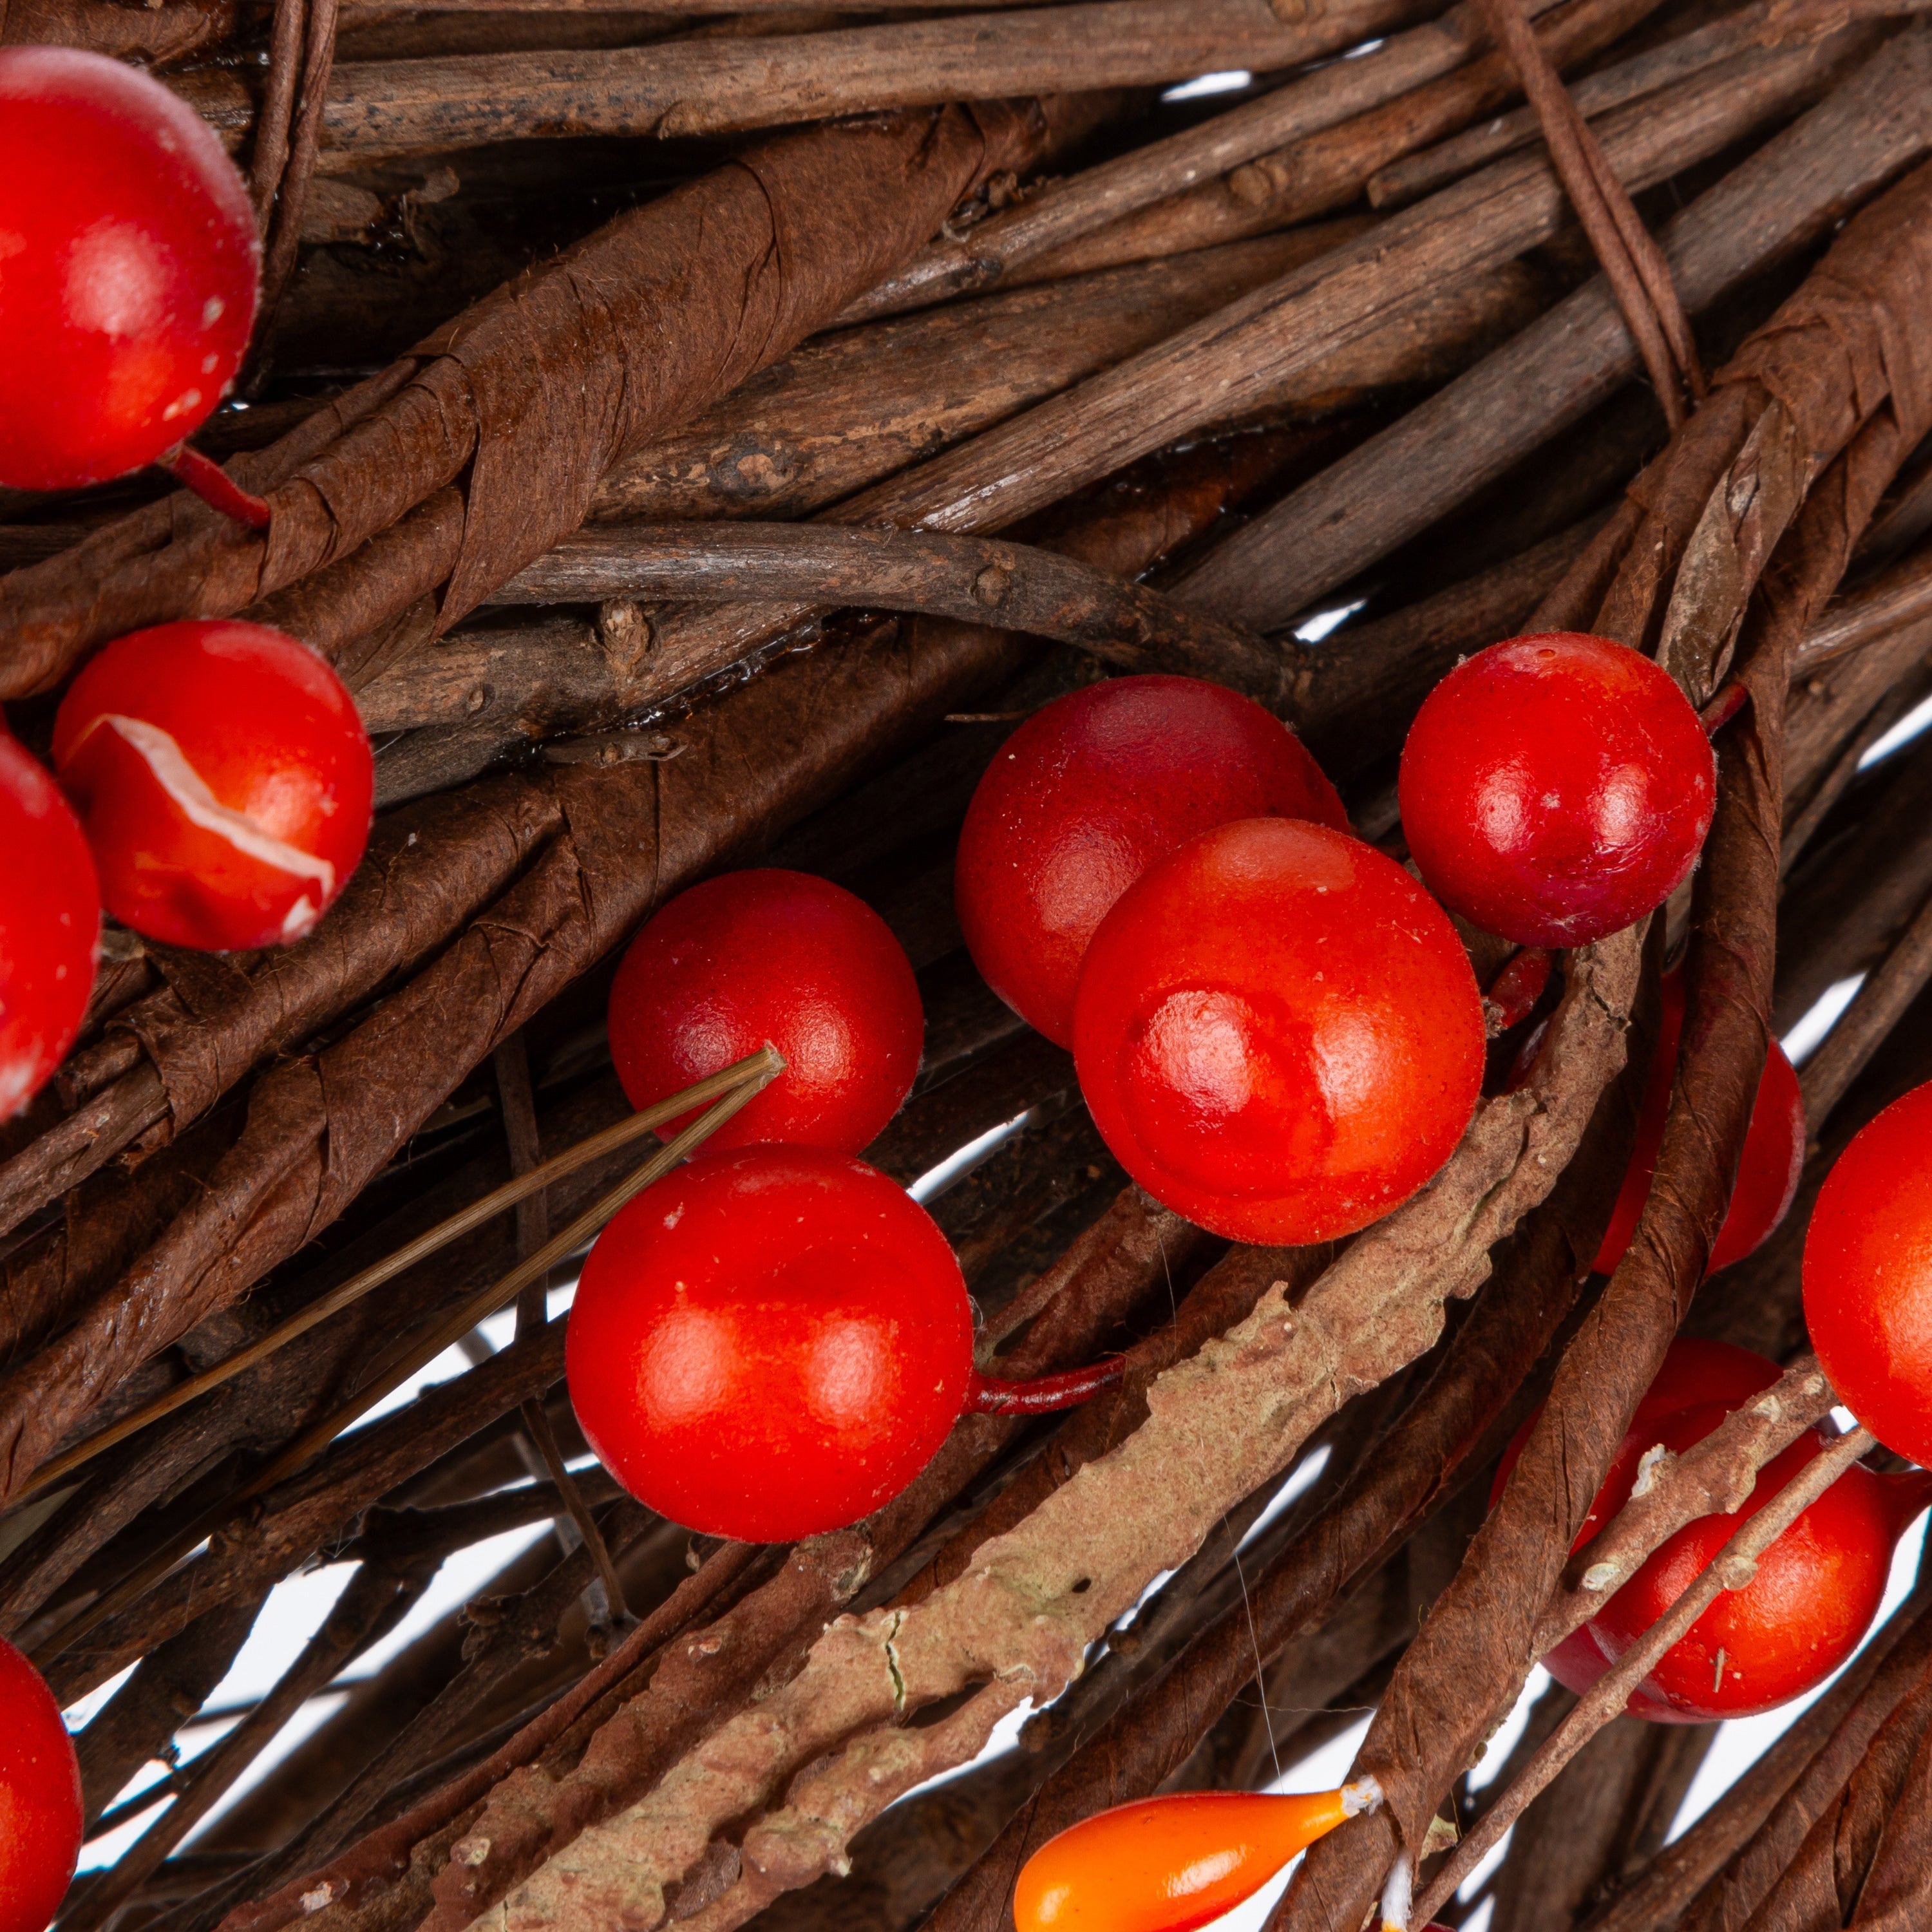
1651 1467
989 587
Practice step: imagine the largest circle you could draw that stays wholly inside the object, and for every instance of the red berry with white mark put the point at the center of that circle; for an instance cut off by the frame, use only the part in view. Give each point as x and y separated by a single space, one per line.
1554 788
769 1342
1868 1276
224 779
1278 1033
49 925
1089 793
128 263
777 956
39 1798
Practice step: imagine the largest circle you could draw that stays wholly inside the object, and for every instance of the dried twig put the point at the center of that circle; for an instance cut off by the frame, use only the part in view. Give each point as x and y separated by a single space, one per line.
1559 368
972 580
1062 212
688 86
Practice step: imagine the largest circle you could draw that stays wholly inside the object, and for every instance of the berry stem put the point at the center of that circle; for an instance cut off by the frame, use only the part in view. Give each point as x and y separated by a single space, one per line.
1515 990
1043 1394
214 486
1729 701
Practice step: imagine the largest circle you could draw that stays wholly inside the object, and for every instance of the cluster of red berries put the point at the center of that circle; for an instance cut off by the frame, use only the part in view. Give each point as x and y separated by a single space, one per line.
215 783
1277 1029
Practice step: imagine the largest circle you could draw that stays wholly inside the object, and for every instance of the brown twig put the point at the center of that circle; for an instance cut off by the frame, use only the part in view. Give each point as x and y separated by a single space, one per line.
1764 22
376 1860
372 1604
1715 1477
1862 1029
1473 430
971 580
511 1062
282 178
1766 1818
1632 263
1064 211
695 85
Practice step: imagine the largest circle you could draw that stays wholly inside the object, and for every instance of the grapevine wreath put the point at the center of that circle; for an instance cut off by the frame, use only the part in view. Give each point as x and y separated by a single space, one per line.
965 967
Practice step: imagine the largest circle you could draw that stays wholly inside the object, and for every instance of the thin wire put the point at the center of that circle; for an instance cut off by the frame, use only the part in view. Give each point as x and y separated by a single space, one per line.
1254 1637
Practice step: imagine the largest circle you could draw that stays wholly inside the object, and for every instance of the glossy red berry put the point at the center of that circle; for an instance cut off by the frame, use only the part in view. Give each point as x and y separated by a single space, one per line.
224 779
1868 1276
1817 1589
1767 1172
40 1798
1555 788
1088 793
50 924
770 1343
776 956
128 261
1278 1033
1693 1372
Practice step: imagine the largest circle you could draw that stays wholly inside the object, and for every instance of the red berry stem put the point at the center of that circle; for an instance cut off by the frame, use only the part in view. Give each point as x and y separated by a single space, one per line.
1041 1396
1514 991
214 486
1722 708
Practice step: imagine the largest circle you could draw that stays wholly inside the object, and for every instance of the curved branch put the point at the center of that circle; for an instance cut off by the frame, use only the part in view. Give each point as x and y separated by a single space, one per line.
973 580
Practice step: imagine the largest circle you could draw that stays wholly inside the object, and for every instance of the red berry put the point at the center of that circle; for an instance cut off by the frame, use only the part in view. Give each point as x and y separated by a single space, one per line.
775 956
1088 794
1817 1589
39 1798
49 922
130 258
1278 1033
769 1342
1768 1173
1555 788
1868 1276
223 778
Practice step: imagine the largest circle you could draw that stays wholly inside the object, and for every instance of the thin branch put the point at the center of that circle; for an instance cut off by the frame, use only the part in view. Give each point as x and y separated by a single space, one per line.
973 580
1862 1029
1063 211
1713 1477
512 1063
